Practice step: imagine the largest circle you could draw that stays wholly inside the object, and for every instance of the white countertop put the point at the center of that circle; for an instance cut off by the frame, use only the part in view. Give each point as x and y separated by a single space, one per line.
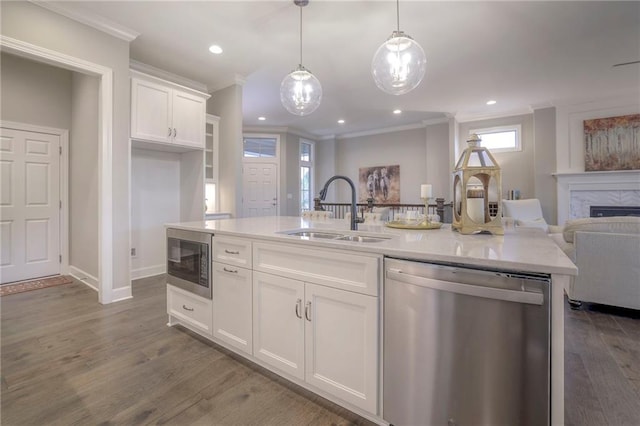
521 250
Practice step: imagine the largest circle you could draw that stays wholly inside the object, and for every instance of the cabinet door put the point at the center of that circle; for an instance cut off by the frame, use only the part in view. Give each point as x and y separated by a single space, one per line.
150 111
189 115
341 344
190 309
232 306
278 325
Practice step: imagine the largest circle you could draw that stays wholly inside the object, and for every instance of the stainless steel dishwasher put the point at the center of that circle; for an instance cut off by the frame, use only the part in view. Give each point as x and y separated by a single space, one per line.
465 346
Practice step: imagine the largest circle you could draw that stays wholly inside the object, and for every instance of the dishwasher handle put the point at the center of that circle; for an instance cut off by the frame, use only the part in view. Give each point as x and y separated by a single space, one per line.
468 289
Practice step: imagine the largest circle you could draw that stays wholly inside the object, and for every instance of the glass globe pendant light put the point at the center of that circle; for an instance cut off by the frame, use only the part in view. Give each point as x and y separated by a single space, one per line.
300 91
399 64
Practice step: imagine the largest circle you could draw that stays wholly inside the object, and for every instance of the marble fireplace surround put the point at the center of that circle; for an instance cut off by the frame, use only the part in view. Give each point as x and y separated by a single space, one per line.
577 192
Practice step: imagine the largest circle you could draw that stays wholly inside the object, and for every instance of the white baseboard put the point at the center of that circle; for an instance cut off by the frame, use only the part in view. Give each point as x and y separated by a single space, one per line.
122 293
148 271
88 279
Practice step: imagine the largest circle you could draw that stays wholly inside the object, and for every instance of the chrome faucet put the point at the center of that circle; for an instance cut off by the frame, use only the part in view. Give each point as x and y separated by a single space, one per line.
354 213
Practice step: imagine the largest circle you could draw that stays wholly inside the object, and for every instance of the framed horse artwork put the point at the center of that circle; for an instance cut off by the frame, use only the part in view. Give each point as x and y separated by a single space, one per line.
382 183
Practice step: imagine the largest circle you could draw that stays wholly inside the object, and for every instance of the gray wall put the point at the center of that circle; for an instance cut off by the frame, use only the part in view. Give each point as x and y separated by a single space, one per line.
83 174
517 167
437 162
406 148
30 23
544 135
227 104
35 93
325 166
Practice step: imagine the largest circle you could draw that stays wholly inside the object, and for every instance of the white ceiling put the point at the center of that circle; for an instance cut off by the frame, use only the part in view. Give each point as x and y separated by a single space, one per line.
522 54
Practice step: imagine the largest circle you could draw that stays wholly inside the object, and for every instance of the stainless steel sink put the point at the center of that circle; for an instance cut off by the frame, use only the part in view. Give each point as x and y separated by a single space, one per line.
361 239
308 234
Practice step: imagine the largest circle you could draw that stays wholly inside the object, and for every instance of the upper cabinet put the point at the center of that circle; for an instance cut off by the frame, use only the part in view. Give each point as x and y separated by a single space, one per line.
166 112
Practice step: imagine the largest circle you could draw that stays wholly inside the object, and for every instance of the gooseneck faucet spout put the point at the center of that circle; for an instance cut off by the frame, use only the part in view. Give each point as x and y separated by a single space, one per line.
354 213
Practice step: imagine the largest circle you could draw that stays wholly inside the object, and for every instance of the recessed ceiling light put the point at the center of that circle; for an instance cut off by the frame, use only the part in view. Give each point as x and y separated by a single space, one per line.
341 121
491 102
397 111
262 118
214 48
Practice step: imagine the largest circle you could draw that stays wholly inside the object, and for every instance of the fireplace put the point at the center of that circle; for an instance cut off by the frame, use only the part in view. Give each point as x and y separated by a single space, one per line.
578 192
608 211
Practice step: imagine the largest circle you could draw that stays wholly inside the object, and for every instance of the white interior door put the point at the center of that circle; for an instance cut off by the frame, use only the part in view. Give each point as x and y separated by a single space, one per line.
29 205
259 189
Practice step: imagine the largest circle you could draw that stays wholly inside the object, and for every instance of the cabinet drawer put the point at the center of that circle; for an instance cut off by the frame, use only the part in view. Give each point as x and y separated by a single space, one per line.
341 269
232 250
191 309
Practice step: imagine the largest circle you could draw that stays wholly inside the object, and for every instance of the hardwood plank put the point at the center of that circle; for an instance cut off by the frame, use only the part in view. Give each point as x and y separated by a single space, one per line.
582 407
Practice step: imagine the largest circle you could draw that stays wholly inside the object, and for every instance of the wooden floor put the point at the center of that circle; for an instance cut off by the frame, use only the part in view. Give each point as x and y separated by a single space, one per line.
67 360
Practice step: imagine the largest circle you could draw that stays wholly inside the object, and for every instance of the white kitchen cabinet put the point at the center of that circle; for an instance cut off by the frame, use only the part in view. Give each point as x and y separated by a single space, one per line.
278 326
325 336
232 306
212 146
341 344
189 310
167 113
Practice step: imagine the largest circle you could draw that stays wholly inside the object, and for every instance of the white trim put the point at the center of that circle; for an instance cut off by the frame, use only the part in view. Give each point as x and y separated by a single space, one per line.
148 271
105 160
166 76
87 279
280 129
465 117
122 293
85 17
381 131
63 180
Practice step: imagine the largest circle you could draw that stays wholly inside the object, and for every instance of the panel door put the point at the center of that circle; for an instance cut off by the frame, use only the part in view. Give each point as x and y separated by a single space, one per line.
232 306
151 111
189 118
259 189
278 325
29 205
341 344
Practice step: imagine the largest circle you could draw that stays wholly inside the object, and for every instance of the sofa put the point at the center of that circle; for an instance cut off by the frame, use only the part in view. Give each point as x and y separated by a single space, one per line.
606 251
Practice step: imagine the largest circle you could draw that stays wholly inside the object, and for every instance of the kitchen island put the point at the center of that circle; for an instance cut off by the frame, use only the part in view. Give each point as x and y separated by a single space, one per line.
304 298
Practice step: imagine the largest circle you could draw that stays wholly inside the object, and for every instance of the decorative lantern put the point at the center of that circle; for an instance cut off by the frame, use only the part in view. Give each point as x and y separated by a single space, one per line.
477 189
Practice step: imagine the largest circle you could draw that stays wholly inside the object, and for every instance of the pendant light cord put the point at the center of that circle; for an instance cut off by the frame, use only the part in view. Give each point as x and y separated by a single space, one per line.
398 14
300 35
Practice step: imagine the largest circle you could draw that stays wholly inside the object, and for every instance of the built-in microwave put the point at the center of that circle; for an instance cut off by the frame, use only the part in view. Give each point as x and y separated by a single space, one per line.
189 261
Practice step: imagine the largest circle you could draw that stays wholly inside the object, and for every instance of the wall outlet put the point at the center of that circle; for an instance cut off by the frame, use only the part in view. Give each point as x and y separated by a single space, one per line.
133 252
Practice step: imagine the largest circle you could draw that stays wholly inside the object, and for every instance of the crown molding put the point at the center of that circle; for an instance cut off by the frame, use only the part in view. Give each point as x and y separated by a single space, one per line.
433 121
281 129
166 75
465 118
541 105
91 19
381 131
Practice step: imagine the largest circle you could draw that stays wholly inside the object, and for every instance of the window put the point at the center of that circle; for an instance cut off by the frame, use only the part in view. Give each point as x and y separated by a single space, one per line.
306 174
260 147
500 139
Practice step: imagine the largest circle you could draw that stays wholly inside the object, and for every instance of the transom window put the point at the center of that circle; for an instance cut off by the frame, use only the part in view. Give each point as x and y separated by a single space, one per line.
501 138
260 147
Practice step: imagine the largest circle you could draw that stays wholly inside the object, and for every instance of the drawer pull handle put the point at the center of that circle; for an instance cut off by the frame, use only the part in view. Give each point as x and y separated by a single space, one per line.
187 309
175 132
231 252
299 308
307 311
230 270
169 132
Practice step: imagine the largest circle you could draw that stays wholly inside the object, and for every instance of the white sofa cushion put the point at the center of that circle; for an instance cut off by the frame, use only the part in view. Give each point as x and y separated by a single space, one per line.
533 223
615 224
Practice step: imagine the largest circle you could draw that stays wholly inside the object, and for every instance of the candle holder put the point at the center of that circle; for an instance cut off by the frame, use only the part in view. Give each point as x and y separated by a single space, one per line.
427 217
